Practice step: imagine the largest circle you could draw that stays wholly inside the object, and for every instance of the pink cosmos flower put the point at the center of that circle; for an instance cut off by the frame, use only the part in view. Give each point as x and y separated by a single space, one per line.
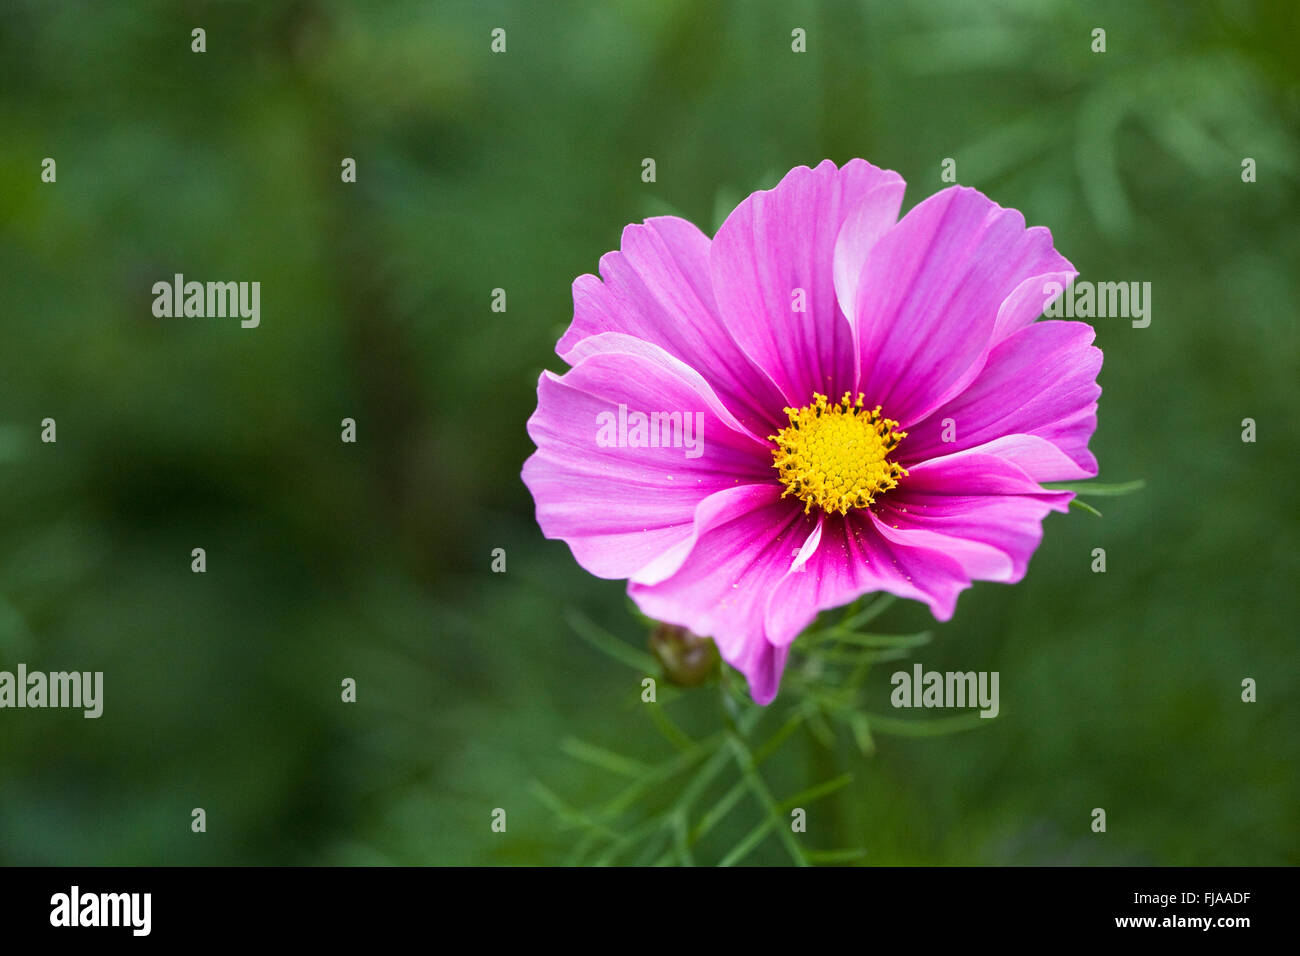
861 403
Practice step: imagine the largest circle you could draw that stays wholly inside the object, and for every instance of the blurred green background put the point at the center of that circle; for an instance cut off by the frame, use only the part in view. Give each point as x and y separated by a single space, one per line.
372 561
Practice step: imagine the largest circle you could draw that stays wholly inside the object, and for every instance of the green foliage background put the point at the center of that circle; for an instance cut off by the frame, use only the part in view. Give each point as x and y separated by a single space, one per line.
518 171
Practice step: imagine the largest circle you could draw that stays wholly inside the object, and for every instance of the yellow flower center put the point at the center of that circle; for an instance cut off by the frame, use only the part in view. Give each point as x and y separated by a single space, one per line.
835 456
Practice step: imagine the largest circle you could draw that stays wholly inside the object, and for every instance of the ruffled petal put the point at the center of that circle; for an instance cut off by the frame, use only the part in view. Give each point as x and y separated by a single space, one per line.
658 288
621 508
721 588
979 510
875 215
1037 457
1041 381
851 559
1029 301
930 293
780 246
953 521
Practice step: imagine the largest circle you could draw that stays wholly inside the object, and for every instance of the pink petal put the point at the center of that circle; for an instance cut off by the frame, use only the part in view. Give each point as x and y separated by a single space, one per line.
717 509
875 215
658 288
1037 457
851 559
980 510
973 473
1040 381
621 508
787 239
721 589
954 520
1029 301
929 296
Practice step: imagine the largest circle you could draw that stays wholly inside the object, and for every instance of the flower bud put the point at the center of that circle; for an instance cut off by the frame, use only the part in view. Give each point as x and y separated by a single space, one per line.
689 660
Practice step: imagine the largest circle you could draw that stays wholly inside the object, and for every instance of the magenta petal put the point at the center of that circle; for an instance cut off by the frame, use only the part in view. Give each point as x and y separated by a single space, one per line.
980 510
929 296
658 287
913 571
954 520
717 509
851 559
1028 302
974 472
875 215
978 561
721 589
931 572
1037 457
620 508
619 343
779 245
1040 381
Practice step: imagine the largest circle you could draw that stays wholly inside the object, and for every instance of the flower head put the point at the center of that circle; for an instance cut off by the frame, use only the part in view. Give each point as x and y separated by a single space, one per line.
822 401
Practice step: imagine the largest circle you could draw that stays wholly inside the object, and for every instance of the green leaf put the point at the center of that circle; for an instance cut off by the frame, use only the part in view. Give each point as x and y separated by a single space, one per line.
1097 488
745 760
861 728
605 759
856 654
679 763
769 746
675 735
881 640
718 811
747 845
836 856
815 793
867 614
713 816
937 727
681 845
629 840
661 836
821 730
608 644
571 815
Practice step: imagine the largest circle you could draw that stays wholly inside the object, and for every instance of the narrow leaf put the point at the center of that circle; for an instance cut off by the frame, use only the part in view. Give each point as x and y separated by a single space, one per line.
1080 503
1096 489
605 759
815 793
608 644
747 845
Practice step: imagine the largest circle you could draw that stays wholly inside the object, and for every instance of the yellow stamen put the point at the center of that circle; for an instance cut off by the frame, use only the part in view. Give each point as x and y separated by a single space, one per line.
834 456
